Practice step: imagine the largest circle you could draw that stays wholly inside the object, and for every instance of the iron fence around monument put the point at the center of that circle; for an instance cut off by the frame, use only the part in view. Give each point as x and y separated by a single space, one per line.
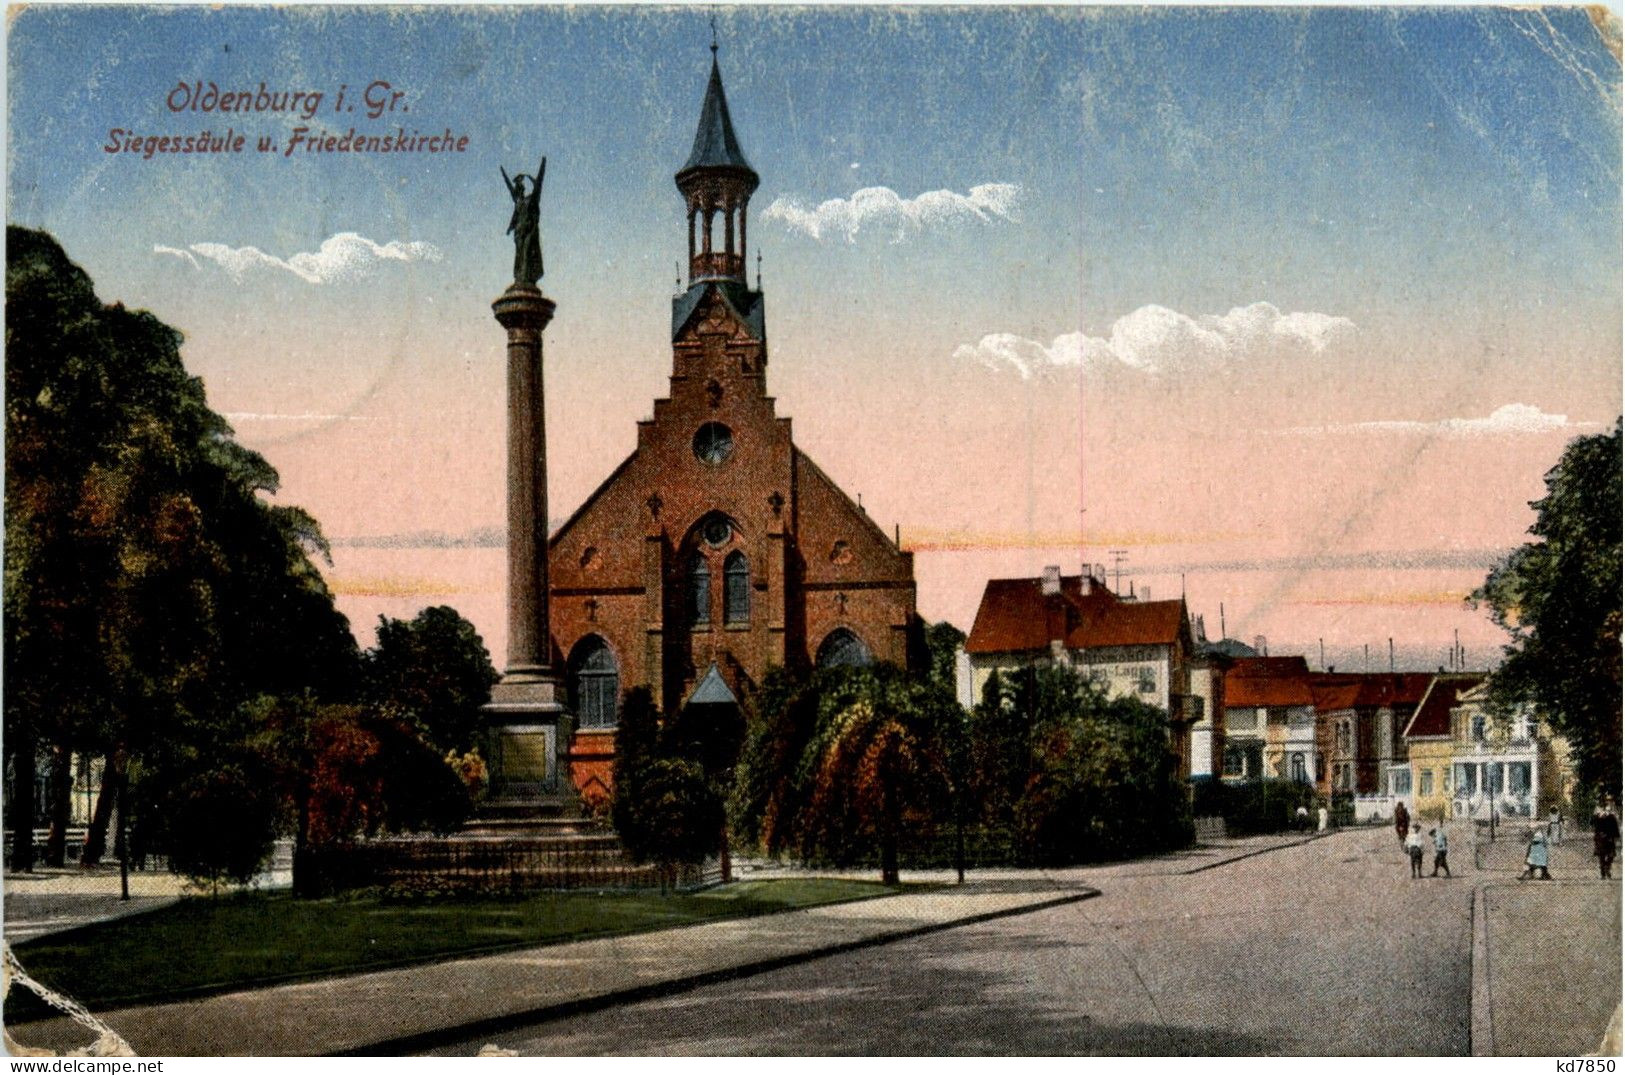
429 865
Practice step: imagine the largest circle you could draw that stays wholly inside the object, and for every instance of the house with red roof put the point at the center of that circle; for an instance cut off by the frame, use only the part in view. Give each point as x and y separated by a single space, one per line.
1360 718
1269 720
1128 647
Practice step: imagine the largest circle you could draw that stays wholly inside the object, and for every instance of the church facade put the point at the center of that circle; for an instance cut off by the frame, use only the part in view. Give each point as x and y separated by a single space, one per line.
716 550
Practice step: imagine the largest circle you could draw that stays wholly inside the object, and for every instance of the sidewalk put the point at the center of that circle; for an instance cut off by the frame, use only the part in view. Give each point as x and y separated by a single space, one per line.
1546 954
51 900
414 1008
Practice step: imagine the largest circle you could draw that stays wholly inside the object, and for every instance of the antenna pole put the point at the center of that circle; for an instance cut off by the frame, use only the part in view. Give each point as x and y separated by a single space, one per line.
1118 556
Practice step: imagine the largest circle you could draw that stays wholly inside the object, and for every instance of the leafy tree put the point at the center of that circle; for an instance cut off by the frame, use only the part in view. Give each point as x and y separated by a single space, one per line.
1001 746
842 765
223 819
1100 779
678 815
1559 598
668 804
637 741
436 671
943 642
149 587
343 771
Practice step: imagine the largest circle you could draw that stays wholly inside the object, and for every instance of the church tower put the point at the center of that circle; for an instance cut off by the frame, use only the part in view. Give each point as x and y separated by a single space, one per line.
717 182
717 550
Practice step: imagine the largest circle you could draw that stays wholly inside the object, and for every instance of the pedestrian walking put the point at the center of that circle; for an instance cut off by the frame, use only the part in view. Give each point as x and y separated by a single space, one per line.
1441 851
1605 837
1413 848
1302 818
1536 857
1322 819
1402 822
1554 826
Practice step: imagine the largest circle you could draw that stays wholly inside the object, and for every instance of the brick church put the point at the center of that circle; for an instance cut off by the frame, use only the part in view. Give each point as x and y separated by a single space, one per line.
717 549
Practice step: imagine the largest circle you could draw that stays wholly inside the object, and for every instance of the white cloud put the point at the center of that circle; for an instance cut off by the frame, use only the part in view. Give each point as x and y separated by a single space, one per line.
186 255
883 209
1512 419
345 256
1155 340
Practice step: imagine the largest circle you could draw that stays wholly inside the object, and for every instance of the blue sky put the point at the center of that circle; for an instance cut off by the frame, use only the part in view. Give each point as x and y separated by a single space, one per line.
1428 200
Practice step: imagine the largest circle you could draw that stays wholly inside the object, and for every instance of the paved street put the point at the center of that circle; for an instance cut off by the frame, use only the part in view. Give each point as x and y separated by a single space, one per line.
1324 948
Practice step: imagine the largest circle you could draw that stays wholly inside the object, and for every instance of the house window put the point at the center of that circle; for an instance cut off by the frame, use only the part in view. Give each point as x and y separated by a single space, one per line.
736 589
596 683
1478 727
1300 770
1399 782
1518 772
1148 681
699 591
1426 785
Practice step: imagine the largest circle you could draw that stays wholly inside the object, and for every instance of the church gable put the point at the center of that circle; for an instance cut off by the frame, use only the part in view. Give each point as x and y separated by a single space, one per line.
837 538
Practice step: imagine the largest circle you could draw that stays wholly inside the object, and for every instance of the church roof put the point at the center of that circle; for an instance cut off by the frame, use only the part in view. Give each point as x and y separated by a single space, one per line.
715 144
712 690
746 305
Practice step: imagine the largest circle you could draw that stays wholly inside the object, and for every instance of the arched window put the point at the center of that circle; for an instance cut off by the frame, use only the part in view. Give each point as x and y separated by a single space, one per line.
595 682
699 591
736 589
842 647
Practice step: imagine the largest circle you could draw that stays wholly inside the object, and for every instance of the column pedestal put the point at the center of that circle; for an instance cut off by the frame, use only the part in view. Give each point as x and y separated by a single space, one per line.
528 724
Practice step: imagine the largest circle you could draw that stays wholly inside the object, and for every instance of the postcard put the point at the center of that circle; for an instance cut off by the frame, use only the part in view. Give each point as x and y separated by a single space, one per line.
850 530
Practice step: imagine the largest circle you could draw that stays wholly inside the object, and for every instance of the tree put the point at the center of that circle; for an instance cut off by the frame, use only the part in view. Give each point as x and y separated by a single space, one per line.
943 641
1559 599
343 771
842 765
149 587
678 815
1077 775
434 669
1001 745
668 808
224 819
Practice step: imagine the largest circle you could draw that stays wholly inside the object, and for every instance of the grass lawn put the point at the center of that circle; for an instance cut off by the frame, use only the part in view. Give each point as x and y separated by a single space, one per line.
203 945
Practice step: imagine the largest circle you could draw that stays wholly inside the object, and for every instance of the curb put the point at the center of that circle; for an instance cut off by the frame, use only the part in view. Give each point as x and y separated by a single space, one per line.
428 1039
1261 851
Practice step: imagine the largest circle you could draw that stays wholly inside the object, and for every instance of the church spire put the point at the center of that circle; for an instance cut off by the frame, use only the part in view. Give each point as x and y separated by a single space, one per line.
716 181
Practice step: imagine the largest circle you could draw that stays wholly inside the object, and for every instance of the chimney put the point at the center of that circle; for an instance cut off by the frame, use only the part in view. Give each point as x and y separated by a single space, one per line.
1262 645
1052 581
1145 593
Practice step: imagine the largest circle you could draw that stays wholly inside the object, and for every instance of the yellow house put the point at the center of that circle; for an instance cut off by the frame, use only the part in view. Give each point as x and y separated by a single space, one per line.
1508 768
1431 746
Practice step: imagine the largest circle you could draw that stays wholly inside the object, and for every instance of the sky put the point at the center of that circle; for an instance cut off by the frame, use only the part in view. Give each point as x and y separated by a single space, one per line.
1285 309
